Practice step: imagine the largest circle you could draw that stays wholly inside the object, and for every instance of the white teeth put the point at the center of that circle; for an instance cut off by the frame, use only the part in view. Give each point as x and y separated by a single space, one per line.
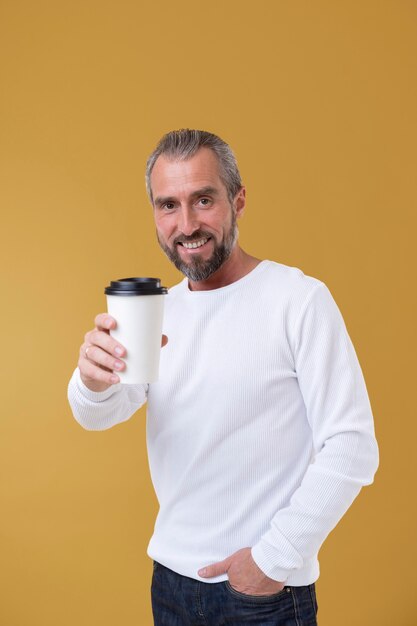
194 244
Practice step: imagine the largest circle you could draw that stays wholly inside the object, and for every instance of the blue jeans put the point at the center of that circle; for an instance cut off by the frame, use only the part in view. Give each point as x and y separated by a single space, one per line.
182 601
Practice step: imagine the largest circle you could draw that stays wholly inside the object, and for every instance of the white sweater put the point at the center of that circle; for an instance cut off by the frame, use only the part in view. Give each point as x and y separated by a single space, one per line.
259 430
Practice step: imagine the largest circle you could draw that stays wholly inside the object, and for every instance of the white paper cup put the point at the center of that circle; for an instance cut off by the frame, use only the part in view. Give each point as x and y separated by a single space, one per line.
137 305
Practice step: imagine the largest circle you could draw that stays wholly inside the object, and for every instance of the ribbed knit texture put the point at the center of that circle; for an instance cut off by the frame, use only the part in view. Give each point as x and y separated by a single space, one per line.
259 430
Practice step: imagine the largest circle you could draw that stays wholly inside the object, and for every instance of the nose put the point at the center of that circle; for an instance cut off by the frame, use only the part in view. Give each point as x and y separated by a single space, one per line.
188 221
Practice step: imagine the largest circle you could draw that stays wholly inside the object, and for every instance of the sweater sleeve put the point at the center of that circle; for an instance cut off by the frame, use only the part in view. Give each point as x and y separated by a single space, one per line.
345 452
104 409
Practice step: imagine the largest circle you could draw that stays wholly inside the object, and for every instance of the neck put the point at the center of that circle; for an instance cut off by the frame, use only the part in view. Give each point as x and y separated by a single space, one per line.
237 266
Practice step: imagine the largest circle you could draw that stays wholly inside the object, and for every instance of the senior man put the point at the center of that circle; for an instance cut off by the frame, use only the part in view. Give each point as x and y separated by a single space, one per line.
259 430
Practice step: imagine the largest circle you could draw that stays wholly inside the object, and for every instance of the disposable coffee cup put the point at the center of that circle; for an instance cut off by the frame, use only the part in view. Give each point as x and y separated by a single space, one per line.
137 305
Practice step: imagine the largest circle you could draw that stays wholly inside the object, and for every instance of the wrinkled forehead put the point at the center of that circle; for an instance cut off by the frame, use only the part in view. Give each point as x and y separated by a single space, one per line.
171 176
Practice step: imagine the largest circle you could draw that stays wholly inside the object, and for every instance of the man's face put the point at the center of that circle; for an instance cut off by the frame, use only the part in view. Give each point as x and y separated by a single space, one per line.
195 220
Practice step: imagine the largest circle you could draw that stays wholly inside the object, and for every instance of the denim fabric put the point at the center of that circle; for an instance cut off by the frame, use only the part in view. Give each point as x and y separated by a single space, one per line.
182 601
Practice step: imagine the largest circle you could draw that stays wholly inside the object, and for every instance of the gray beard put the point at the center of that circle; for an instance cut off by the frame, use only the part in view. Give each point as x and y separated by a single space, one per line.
199 269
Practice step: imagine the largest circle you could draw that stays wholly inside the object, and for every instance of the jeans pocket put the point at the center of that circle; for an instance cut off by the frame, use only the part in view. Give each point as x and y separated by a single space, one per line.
274 597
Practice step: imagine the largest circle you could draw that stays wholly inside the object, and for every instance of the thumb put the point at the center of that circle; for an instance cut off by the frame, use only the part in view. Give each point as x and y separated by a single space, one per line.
216 569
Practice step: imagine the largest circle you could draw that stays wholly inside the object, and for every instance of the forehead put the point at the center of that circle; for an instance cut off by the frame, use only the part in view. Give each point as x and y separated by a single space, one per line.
171 177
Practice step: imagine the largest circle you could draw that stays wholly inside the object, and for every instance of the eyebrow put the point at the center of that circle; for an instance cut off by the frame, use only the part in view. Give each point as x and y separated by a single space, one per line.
203 191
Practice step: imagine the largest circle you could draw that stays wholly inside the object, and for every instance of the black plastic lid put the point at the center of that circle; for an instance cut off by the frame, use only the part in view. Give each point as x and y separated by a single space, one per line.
135 287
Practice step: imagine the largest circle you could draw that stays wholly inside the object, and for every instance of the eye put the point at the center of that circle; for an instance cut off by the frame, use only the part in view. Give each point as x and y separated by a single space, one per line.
168 206
204 201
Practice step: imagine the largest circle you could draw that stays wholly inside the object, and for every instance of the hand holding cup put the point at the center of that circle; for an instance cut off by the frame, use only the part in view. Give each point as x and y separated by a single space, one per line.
100 355
134 318
138 306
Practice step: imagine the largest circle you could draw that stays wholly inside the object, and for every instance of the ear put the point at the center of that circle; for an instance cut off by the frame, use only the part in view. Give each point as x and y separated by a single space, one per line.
239 202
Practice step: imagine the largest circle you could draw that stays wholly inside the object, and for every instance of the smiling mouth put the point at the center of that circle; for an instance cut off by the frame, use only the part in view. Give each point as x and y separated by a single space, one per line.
189 245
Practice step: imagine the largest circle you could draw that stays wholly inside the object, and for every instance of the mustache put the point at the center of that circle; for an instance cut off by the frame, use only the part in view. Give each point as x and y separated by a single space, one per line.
197 234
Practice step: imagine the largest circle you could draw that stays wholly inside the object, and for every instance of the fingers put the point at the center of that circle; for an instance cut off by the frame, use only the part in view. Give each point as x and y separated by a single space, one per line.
95 354
98 367
99 355
216 569
95 377
105 341
104 321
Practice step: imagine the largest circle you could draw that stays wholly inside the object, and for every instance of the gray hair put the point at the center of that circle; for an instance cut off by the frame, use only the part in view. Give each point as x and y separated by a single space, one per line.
183 144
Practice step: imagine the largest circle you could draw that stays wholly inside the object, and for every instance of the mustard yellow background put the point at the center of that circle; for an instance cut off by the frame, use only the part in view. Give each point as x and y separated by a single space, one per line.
319 101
